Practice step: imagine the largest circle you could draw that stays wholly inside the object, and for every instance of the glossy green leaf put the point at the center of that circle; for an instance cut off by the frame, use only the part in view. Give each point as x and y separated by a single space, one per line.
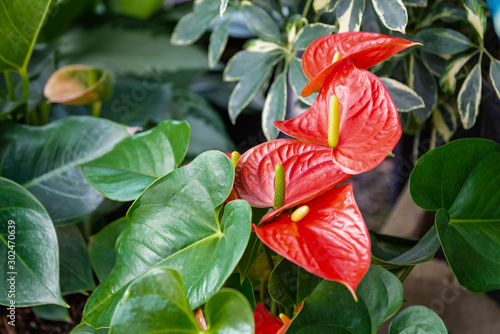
249 256
469 97
141 10
331 306
461 181
403 96
133 164
424 84
218 41
29 239
290 284
75 269
298 81
60 18
452 67
445 121
156 303
242 63
433 62
245 287
8 107
246 89
192 26
443 41
45 161
274 107
392 252
349 14
102 248
173 223
260 22
52 312
86 329
20 25
495 75
108 46
417 319
310 33
445 12
392 13
476 16
383 294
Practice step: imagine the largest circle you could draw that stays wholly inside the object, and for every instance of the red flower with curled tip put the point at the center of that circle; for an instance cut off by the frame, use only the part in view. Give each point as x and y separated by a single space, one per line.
363 49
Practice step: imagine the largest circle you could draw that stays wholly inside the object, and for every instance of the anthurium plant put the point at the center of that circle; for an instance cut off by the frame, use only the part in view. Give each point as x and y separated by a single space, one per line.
270 240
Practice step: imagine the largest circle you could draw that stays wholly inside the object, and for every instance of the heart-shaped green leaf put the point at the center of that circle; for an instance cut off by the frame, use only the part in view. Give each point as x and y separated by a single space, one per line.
52 312
133 164
461 181
102 248
28 250
173 223
156 303
417 319
45 161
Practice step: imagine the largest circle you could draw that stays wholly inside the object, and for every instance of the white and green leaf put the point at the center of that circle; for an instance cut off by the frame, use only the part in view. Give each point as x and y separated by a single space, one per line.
190 28
452 67
392 13
422 81
444 121
218 41
242 63
349 15
310 33
476 16
443 41
495 75
260 22
298 81
469 98
274 107
403 96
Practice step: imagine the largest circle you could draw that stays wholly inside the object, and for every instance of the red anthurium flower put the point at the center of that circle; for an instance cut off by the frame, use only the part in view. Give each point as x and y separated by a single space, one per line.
368 127
330 241
309 172
364 49
266 323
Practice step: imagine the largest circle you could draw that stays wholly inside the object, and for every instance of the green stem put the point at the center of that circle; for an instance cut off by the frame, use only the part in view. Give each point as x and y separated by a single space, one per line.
261 292
274 307
306 8
269 258
10 85
96 109
45 108
26 92
405 273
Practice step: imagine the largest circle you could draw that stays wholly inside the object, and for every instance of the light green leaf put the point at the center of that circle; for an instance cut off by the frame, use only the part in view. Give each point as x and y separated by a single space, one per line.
452 67
190 28
260 22
156 302
445 12
52 312
443 41
242 63
445 121
223 6
109 47
138 9
322 5
173 223
310 33
133 164
349 14
469 97
8 107
45 161
86 329
415 3
392 13
102 248
495 75
298 81
218 41
476 17
29 239
403 96
260 45
75 269
246 89
274 107
20 25
417 319
424 84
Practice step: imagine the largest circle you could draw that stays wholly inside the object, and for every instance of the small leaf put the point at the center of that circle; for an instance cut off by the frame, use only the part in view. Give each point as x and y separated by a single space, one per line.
298 81
469 97
403 96
52 312
452 67
392 13
242 63
495 75
349 14
83 328
476 17
75 269
133 164
310 33
246 89
424 84
156 302
28 238
445 121
218 40
275 106
417 319
443 41
223 6
259 22
102 248
190 28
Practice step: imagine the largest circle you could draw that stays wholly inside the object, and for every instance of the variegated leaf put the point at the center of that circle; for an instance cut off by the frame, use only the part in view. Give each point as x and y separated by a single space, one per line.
469 98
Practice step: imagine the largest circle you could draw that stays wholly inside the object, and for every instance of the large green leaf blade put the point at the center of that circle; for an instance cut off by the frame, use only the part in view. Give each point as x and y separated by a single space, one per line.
45 161
403 96
133 164
452 67
34 241
476 16
274 107
443 41
424 84
20 25
495 75
392 13
260 22
469 97
298 81
349 15
417 319
174 224
218 41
